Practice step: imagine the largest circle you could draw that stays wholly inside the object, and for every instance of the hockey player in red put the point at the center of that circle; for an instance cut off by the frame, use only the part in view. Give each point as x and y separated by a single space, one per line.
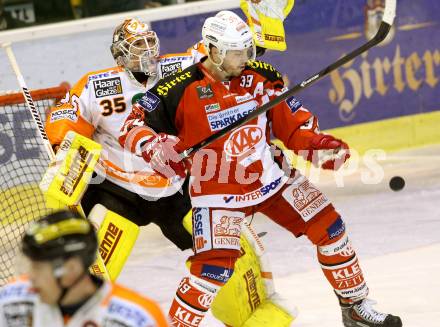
237 175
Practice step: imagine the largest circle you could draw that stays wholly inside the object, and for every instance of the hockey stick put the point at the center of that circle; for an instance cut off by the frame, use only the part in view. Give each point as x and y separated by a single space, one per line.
29 102
384 28
42 133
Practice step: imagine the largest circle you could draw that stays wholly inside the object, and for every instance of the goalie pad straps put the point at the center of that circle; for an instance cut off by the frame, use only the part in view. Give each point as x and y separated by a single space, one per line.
341 266
193 298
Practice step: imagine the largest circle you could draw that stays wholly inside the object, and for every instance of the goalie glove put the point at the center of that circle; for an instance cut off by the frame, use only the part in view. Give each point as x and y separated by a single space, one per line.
159 151
328 152
265 19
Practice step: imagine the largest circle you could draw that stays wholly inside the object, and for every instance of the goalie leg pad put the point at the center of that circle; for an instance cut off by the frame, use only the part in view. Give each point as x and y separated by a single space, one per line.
116 238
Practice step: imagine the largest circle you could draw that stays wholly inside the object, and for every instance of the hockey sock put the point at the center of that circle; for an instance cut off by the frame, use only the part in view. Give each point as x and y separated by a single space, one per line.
193 298
341 268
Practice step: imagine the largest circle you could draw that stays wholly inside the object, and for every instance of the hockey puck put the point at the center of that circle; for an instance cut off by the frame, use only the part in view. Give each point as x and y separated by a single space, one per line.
397 183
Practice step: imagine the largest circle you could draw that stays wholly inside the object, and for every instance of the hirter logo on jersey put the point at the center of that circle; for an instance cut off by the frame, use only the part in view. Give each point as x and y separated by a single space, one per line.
107 87
205 92
149 101
242 140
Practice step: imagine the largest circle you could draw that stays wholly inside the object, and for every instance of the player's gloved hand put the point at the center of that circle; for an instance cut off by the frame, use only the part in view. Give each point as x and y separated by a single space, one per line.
328 152
159 151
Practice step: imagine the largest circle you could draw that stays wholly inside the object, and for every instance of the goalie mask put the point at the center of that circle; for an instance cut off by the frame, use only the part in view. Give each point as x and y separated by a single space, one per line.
227 31
135 47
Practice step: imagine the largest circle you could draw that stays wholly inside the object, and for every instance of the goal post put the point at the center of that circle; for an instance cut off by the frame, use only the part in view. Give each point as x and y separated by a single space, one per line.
23 161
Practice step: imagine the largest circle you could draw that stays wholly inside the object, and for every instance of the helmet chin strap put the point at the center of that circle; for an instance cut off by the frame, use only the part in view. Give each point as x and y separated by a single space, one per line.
220 66
58 271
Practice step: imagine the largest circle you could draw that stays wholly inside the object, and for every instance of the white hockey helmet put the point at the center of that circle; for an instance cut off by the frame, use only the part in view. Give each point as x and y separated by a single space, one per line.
227 31
136 47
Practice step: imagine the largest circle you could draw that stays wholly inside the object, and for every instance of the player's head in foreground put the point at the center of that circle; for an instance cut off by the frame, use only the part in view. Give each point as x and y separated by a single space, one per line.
60 247
136 48
228 40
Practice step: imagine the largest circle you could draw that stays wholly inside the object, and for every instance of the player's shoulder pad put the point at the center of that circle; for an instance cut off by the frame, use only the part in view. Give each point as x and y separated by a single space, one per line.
264 69
90 77
131 307
18 289
104 73
173 57
174 86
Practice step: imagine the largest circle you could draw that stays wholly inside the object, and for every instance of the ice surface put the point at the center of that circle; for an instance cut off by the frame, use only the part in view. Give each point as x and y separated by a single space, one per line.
396 236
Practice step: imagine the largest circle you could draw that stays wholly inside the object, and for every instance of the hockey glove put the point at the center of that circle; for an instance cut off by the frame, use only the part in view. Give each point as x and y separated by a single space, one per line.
328 152
159 151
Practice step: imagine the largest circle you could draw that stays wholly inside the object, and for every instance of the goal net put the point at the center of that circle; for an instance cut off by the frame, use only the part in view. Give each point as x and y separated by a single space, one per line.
23 161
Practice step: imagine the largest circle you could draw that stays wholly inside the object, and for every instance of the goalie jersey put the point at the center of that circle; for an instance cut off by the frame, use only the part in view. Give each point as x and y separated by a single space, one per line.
97 107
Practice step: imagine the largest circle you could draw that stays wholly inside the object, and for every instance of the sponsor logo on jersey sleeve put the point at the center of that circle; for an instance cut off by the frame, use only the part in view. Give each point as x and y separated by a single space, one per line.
205 92
293 104
67 108
149 101
66 113
107 87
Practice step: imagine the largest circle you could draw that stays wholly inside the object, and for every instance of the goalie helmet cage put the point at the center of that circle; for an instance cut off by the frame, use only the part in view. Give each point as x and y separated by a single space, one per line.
23 161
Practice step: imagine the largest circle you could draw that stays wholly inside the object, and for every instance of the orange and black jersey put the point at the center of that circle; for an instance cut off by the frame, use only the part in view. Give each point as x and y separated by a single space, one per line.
193 105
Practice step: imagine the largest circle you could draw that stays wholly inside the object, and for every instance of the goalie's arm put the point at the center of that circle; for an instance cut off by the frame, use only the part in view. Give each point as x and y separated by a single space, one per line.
72 113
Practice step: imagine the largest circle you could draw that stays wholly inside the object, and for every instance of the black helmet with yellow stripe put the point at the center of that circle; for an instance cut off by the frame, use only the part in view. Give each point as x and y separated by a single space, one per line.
61 235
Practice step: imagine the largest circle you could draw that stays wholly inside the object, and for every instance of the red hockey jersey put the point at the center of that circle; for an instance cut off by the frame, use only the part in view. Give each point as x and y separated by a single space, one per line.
237 170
